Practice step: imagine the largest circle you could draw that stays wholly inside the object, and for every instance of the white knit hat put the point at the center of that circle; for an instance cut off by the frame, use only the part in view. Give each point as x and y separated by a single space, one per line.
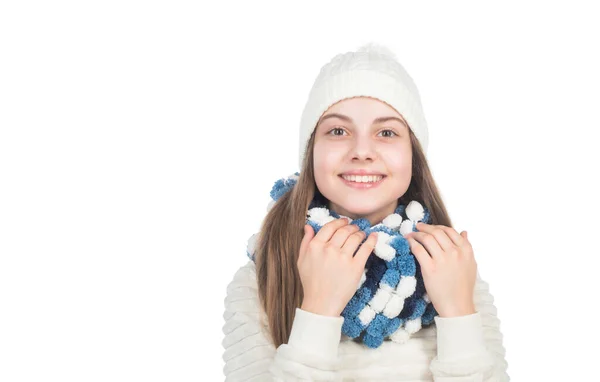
373 71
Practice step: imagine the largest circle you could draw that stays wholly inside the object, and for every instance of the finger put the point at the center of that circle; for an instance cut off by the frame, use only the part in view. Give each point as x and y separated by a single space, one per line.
465 237
422 256
308 235
428 241
466 244
440 235
328 230
365 250
341 236
458 240
352 243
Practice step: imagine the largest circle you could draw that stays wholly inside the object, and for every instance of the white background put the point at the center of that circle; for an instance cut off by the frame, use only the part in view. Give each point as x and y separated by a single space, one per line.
139 142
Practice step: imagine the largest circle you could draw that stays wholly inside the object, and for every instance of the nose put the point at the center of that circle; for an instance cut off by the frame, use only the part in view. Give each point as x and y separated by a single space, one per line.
363 149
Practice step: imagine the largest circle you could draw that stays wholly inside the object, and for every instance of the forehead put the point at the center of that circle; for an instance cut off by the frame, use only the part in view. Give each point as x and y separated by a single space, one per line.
364 104
362 110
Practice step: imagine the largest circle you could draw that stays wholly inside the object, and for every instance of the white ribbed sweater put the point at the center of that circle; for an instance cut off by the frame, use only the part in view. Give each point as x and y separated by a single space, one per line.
457 349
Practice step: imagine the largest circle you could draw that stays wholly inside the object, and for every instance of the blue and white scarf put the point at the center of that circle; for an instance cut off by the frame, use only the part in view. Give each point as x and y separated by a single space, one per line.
391 301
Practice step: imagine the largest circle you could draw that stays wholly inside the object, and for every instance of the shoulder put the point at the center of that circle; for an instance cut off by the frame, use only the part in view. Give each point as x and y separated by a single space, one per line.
244 276
242 294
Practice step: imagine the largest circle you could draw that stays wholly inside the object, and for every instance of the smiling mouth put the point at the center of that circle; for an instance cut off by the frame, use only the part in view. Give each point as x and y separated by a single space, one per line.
363 179
360 185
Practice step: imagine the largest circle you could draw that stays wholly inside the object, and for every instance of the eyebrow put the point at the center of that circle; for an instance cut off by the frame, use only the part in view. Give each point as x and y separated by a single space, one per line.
348 119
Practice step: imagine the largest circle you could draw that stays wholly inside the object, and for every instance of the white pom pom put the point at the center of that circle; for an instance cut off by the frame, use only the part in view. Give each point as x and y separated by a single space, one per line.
381 298
363 278
318 212
406 287
382 238
251 246
413 326
320 215
377 48
366 315
406 227
400 336
384 251
415 211
394 306
393 221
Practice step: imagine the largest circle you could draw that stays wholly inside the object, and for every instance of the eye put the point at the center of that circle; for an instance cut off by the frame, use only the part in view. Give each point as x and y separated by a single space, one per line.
335 128
393 132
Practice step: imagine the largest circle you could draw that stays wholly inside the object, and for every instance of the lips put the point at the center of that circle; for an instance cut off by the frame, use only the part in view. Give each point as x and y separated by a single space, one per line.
362 173
362 185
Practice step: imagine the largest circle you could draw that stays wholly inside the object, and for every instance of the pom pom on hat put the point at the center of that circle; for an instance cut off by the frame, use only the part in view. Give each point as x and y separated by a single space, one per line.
377 48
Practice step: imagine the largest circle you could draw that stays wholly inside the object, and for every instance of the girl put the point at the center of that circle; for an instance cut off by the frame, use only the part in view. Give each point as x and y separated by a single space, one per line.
294 311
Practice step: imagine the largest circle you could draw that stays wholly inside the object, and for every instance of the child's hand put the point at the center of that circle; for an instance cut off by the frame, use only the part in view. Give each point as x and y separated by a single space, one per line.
448 267
329 272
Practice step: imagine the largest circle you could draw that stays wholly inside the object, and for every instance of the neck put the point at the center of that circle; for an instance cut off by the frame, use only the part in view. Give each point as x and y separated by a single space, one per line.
374 217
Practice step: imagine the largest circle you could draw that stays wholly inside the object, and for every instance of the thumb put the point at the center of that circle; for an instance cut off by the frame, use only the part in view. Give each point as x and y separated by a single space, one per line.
309 231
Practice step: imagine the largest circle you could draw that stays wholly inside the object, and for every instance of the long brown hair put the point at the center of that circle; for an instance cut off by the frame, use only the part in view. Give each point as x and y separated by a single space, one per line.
278 243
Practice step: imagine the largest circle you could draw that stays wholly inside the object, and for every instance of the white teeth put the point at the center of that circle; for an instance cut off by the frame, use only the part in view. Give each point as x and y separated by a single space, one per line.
363 179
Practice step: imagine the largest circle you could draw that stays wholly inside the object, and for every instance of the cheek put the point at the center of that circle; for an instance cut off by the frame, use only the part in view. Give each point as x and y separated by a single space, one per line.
327 157
398 160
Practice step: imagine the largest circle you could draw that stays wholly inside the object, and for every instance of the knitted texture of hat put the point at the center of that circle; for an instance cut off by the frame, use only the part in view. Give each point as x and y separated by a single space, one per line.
390 300
371 71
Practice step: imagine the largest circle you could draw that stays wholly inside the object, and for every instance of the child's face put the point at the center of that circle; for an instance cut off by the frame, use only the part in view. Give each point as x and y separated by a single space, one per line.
362 144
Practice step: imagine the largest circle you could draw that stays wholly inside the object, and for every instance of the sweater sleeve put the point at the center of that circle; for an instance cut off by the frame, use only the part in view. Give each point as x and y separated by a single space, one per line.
310 354
470 347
